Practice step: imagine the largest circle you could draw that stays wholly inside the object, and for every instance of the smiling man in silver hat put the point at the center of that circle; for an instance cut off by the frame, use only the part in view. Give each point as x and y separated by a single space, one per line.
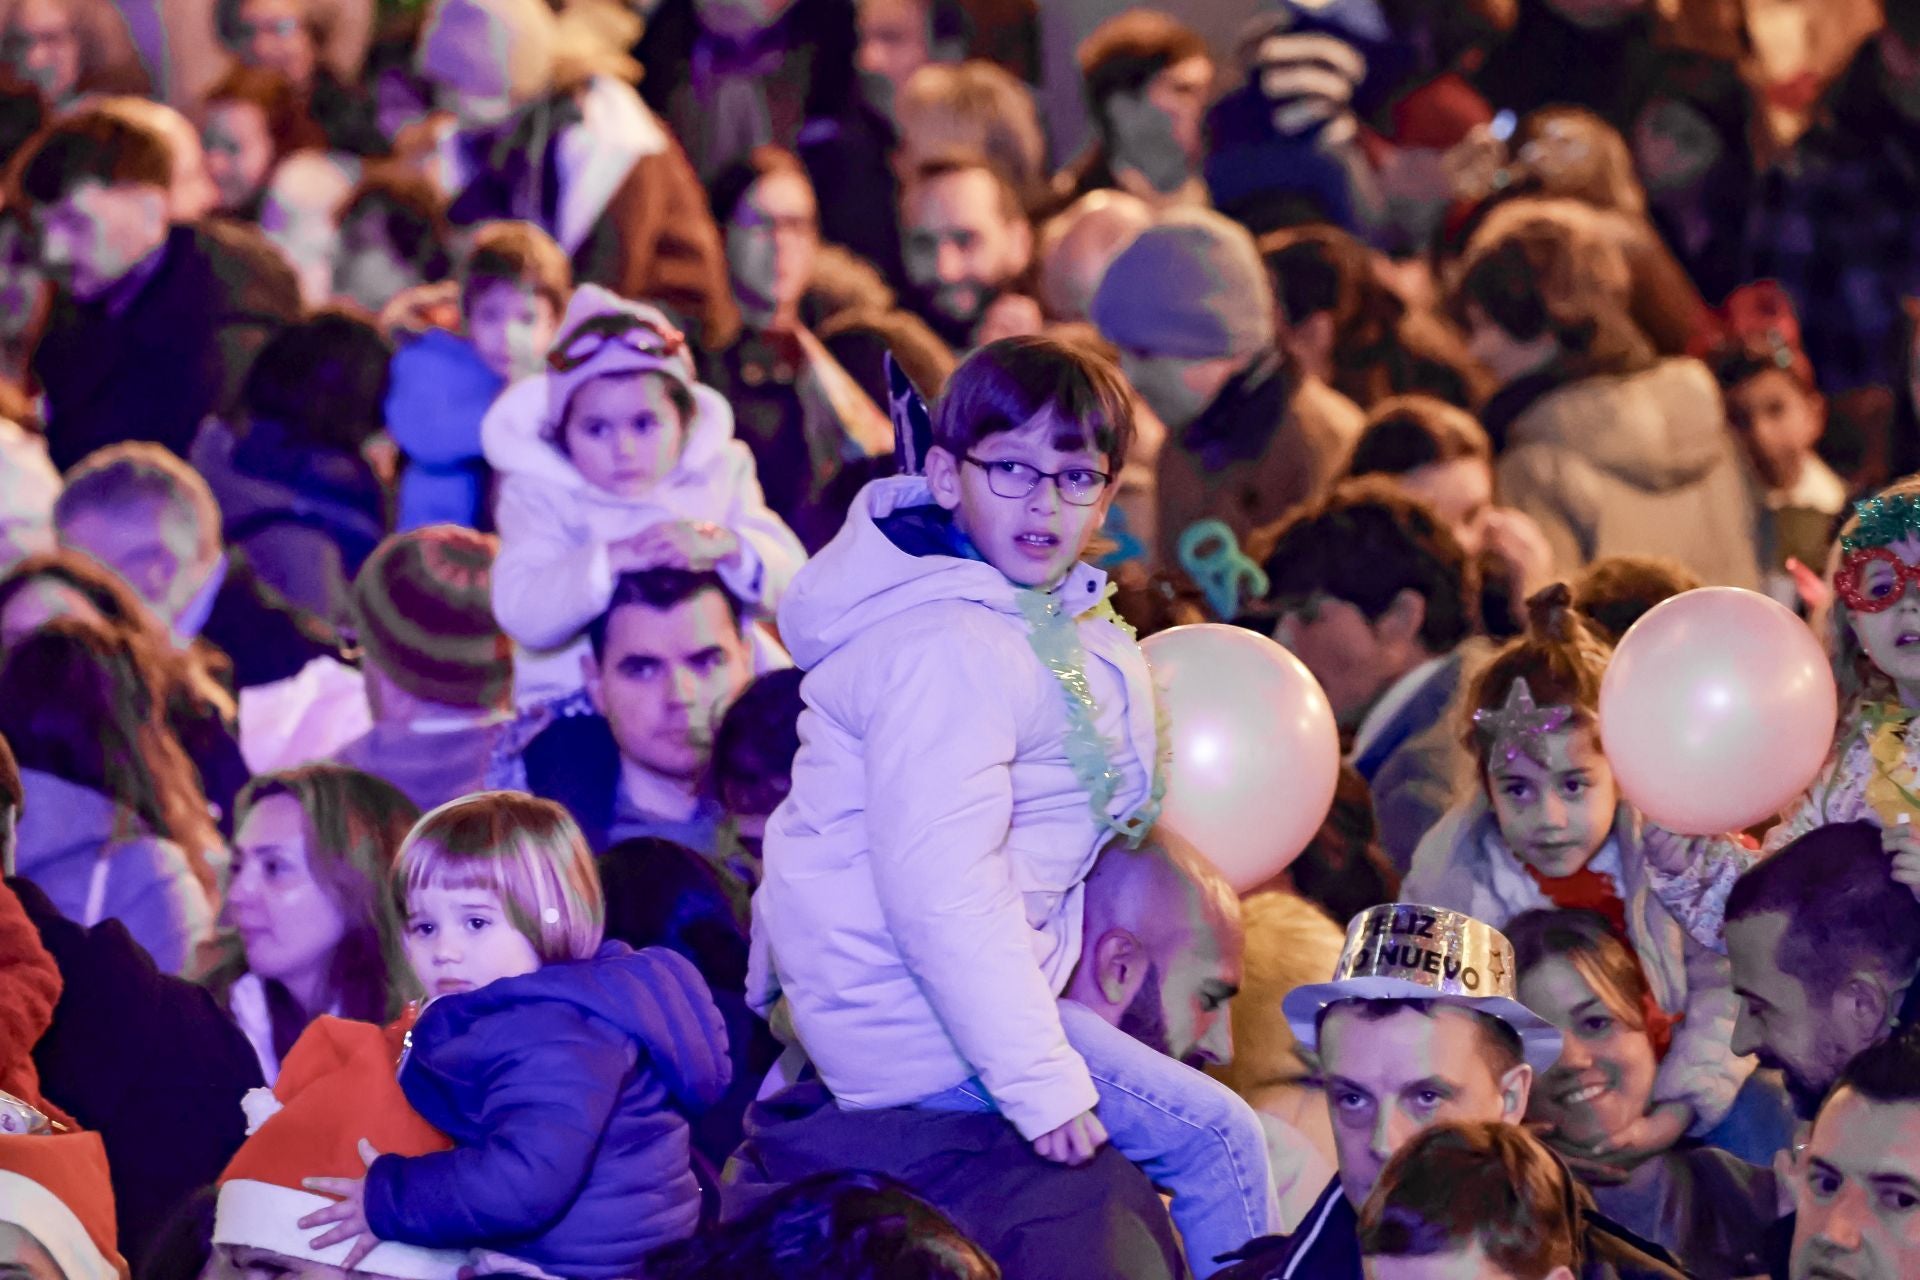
1419 1025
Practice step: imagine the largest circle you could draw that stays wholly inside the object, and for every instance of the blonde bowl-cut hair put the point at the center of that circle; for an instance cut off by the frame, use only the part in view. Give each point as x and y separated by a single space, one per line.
527 852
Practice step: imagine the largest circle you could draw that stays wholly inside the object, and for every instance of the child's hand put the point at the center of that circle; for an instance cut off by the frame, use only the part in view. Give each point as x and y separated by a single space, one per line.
1903 842
697 547
1664 850
349 1215
1073 1142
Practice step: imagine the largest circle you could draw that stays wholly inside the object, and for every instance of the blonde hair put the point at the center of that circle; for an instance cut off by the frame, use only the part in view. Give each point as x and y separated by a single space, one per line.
1854 674
1603 176
525 851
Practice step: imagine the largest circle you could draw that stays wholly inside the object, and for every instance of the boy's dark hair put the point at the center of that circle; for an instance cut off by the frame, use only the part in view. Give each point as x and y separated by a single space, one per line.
519 254
1888 1072
94 145
1126 51
1614 592
1006 384
657 589
1406 433
1500 1044
412 215
754 747
1456 1185
831 1226
947 164
1844 911
1365 544
324 380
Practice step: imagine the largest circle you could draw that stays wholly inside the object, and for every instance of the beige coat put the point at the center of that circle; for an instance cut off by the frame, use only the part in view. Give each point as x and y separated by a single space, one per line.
1635 464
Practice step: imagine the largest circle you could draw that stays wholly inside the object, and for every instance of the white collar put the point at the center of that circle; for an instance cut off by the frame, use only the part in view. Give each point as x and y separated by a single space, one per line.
1389 704
1817 489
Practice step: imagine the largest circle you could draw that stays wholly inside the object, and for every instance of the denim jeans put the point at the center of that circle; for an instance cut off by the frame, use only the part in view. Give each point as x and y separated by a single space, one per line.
1193 1136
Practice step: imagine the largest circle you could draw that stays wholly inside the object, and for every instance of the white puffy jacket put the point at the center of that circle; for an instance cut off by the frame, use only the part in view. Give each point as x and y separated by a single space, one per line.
921 907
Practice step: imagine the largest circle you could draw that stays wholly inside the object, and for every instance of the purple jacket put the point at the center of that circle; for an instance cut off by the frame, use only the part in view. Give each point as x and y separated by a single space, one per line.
563 1092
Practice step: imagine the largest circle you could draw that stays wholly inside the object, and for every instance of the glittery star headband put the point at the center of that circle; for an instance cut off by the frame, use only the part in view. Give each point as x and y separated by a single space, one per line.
1880 521
1515 729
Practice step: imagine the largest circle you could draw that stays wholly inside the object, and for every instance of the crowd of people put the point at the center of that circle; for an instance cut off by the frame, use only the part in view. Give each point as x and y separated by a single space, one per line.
571 578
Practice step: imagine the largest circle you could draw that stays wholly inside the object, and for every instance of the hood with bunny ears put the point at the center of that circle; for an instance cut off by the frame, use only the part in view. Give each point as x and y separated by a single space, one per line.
519 432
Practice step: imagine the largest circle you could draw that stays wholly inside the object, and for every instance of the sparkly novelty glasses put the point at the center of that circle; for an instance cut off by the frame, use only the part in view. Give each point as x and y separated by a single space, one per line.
1081 486
1872 579
591 336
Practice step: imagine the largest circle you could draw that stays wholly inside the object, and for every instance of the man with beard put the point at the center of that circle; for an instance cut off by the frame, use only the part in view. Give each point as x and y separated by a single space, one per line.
1859 1176
968 245
1825 946
1160 958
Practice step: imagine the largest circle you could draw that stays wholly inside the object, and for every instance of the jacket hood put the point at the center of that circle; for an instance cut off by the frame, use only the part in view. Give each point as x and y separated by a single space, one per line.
655 997
863 577
1658 429
62 820
512 436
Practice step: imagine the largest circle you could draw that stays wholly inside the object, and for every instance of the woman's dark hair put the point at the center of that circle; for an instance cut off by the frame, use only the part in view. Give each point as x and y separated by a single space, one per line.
324 380
754 747
661 894
79 701
1380 348
730 186
412 215
1553 268
288 123
831 1226
1406 433
1559 657
1007 384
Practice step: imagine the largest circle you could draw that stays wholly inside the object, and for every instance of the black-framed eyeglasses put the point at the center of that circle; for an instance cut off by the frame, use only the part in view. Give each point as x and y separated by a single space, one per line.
1080 486
591 336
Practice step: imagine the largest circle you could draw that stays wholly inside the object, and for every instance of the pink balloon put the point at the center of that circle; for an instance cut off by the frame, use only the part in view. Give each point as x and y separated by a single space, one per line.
1255 752
1717 710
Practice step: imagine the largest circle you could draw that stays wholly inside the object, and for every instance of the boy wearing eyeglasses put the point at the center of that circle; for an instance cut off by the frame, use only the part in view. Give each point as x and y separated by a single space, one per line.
616 461
979 725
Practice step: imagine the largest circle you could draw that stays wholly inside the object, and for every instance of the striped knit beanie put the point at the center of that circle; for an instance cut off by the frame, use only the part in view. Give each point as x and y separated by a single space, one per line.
424 606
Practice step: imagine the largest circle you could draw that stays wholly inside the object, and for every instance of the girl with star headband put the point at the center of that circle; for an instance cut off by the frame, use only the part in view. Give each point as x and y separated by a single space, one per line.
1873 637
1546 828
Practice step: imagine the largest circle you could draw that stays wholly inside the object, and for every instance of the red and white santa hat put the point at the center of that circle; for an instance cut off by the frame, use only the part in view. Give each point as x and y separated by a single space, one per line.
337 1086
55 1188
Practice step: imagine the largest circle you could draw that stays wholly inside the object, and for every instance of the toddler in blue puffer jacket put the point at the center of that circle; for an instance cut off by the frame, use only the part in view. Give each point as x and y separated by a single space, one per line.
558 1064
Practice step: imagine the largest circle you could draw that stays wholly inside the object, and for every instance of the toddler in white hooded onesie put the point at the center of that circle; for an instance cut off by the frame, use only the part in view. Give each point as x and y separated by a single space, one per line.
615 461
